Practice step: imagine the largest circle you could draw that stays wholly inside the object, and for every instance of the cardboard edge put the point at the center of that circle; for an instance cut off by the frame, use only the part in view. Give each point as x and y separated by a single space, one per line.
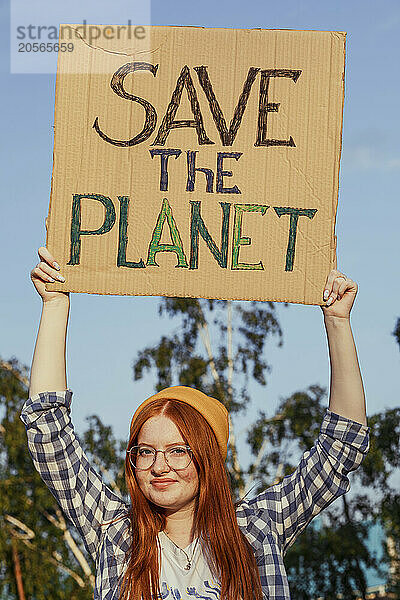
335 198
53 153
344 33
58 287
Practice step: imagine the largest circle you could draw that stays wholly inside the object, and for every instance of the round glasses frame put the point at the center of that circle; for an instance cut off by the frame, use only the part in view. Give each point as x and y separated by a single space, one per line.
188 448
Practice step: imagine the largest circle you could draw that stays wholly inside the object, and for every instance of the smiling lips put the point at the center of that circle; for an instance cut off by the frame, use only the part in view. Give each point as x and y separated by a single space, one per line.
162 482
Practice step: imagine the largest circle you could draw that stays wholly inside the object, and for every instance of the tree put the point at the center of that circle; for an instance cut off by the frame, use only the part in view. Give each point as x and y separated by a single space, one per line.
40 553
327 559
41 556
187 358
332 557
391 519
396 331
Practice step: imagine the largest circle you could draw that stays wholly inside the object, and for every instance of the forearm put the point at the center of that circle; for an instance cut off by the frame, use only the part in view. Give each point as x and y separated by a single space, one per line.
48 372
346 388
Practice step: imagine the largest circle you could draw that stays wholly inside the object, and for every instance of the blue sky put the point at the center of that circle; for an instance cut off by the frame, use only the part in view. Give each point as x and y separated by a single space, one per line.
106 332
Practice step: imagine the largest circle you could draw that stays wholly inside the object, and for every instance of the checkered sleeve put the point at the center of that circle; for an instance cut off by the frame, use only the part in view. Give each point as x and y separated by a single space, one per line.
320 478
64 468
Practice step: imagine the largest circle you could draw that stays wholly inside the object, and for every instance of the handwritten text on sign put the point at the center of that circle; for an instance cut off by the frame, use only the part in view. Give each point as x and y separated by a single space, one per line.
162 138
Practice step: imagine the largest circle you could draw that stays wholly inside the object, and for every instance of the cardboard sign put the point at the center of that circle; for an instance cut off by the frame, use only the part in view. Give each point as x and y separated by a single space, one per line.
206 165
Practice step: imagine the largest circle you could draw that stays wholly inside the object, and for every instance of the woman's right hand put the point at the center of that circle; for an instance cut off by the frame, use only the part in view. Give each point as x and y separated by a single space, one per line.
46 271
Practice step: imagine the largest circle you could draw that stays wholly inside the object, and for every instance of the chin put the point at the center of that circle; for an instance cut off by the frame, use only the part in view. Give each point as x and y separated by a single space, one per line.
169 503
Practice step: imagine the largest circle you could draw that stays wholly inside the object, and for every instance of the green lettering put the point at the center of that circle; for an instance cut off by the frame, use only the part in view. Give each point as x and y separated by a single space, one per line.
197 227
294 213
123 237
77 232
238 240
176 246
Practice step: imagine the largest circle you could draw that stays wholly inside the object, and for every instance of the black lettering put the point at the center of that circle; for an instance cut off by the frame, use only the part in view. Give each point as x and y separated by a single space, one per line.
117 85
294 213
77 232
168 123
165 154
221 174
227 137
191 168
265 107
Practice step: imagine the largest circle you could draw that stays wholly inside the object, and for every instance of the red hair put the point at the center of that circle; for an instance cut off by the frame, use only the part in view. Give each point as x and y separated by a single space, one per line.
230 555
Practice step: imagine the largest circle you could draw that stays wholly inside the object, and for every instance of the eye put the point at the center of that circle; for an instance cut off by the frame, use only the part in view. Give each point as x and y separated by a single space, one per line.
178 451
145 452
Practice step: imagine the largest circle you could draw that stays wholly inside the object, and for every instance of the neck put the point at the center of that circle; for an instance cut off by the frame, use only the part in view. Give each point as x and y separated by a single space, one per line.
179 526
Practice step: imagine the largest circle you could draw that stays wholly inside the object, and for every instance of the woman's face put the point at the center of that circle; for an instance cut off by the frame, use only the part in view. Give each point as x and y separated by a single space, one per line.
172 490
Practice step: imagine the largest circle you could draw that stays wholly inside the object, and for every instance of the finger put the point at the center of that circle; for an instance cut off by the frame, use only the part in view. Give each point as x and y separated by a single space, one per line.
336 279
329 285
51 271
45 255
47 273
334 293
331 299
342 289
330 281
38 275
346 285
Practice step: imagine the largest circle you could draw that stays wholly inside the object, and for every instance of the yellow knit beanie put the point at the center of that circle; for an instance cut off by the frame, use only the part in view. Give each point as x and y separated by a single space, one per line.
212 410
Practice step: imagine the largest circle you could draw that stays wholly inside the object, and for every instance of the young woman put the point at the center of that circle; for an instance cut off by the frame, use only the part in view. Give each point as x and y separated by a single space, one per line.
181 537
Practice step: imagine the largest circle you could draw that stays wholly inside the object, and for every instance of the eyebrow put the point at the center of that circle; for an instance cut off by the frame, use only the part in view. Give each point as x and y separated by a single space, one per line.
167 445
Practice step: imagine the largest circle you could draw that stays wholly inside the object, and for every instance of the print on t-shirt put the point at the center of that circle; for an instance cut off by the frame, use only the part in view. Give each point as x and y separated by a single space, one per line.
208 591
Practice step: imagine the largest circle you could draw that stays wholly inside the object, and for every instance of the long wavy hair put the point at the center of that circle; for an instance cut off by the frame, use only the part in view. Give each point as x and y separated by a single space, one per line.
230 555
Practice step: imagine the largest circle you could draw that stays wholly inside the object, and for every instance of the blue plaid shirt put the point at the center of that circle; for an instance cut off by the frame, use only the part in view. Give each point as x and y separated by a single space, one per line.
271 521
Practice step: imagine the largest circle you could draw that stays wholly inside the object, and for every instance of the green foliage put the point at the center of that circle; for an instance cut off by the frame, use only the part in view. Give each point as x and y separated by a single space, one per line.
396 331
391 520
383 457
105 452
29 513
324 561
298 419
186 357
330 557
181 360
329 560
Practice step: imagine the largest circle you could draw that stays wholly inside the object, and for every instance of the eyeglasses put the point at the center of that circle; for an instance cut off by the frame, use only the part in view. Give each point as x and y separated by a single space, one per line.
143 458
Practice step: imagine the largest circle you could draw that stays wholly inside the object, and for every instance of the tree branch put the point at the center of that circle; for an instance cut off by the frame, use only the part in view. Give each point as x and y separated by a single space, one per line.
110 480
27 535
69 540
9 367
76 551
17 569
205 336
235 459
55 560
230 347
259 456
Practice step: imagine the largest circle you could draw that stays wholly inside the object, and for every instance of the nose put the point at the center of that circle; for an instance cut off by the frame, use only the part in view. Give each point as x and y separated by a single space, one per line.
160 464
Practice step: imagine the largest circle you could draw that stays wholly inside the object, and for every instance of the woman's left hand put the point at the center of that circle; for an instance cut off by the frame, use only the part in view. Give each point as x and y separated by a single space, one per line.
339 294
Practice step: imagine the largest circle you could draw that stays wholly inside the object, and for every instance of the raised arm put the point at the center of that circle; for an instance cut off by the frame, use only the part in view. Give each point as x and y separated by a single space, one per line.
48 372
53 445
346 388
343 441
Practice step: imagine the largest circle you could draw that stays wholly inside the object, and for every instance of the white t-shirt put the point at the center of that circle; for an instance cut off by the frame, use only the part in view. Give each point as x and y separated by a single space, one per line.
176 582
